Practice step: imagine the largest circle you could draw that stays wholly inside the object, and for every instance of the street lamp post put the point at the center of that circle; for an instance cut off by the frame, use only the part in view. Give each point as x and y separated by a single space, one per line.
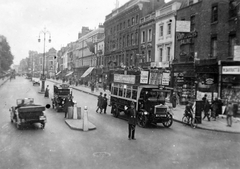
43 77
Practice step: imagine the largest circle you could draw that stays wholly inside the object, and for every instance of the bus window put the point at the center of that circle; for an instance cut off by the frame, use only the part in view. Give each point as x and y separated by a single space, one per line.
134 94
129 91
120 90
115 90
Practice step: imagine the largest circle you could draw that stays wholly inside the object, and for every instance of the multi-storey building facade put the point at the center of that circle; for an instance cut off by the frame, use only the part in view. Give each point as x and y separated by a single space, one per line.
86 51
204 57
165 34
50 62
122 32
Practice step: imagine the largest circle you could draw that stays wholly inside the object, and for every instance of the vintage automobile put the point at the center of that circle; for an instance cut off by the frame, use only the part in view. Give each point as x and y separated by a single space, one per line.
26 112
36 81
60 92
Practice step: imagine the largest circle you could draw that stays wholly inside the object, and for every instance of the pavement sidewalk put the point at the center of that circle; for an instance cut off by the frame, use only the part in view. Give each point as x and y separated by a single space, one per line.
219 125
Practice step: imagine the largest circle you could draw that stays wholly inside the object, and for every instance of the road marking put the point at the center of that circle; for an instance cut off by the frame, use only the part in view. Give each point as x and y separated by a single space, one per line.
5 125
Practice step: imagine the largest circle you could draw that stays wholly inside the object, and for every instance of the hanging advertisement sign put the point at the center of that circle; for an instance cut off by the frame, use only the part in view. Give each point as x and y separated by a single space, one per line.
155 78
165 79
144 77
129 79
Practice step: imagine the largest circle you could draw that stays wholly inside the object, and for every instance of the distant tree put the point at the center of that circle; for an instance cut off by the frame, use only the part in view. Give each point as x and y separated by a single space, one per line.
6 57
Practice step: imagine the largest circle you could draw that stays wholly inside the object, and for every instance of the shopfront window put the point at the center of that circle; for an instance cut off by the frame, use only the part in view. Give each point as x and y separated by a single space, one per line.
231 88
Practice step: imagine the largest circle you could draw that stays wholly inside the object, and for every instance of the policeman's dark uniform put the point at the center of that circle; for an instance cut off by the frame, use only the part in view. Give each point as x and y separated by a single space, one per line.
67 103
132 122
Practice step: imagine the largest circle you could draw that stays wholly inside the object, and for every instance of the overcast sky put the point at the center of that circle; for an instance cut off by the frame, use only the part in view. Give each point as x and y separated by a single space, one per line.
22 20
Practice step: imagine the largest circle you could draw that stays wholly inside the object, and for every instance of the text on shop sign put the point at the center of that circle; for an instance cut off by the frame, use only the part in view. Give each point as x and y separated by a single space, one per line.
231 70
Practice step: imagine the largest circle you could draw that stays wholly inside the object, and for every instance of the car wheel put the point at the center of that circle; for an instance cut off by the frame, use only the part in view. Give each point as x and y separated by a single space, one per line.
43 125
142 120
169 122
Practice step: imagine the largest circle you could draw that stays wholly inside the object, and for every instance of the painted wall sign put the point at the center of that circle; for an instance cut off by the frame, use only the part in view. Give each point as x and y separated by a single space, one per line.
231 70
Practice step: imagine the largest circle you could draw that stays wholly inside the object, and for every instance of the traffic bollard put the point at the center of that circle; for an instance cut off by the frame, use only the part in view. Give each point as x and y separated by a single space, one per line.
85 119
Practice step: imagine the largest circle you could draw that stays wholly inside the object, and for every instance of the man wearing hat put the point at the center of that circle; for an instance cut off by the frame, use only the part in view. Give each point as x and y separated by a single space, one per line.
132 122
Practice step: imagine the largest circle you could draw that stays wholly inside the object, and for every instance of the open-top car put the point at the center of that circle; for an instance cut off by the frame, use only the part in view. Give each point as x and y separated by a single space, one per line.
60 92
26 112
36 81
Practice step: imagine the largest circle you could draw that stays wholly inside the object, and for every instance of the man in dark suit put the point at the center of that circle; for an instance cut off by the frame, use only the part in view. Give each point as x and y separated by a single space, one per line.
67 103
132 122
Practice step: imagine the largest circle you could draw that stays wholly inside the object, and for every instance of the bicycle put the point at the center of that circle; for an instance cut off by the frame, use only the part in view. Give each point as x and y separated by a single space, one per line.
187 120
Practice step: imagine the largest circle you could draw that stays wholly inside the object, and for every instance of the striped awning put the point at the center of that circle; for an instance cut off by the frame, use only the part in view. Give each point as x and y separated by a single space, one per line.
87 72
58 73
69 73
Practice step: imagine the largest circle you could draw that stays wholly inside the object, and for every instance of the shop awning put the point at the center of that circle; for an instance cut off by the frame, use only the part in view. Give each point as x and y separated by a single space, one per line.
69 73
87 72
58 73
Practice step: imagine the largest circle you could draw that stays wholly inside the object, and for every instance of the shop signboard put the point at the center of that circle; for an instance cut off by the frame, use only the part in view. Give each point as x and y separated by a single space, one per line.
129 79
231 70
165 79
182 26
144 77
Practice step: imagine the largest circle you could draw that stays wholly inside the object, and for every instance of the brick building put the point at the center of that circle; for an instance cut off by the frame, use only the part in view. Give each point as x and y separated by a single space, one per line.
122 32
199 53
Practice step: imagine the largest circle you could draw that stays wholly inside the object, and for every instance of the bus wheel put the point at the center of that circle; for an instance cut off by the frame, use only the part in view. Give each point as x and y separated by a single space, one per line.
142 120
115 111
169 122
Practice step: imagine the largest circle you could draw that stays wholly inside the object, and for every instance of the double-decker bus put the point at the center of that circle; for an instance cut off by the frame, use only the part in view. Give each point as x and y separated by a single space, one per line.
146 91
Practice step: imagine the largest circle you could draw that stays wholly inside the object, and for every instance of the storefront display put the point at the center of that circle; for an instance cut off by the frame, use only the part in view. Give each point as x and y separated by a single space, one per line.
184 82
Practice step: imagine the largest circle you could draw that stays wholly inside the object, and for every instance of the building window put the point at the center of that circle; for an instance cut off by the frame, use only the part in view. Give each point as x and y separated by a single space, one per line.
129 24
143 36
160 30
133 20
232 9
149 35
124 41
232 43
136 38
160 54
192 20
143 57
124 25
213 53
136 19
169 28
127 40
132 39
149 56
190 2
215 13
168 53
120 26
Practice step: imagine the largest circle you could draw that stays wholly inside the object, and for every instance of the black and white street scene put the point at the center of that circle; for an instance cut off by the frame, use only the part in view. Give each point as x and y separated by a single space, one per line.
120 84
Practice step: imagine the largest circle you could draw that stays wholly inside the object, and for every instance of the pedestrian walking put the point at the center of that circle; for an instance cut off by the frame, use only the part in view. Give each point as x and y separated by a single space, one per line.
132 122
174 100
206 107
99 103
229 112
46 92
104 86
215 108
104 103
